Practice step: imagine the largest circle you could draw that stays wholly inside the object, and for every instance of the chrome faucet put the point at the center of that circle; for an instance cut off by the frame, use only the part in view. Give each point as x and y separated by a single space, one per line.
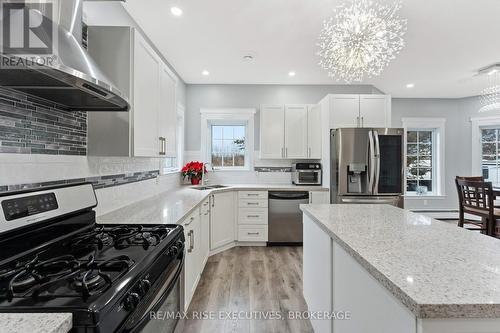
203 173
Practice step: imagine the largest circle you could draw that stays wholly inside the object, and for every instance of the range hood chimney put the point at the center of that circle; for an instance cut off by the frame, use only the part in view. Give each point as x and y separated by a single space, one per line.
72 80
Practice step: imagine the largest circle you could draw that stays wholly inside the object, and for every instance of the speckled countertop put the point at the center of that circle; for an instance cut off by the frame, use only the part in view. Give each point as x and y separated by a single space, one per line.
434 268
35 322
173 206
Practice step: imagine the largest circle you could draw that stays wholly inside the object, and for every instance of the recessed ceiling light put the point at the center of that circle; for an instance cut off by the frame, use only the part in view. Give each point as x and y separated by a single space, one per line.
176 11
248 58
205 73
292 74
410 85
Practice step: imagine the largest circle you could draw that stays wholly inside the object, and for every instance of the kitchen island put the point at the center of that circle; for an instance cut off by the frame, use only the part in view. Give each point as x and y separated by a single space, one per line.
388 270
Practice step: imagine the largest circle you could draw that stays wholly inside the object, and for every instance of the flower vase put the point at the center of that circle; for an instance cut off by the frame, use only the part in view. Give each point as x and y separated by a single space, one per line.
195 181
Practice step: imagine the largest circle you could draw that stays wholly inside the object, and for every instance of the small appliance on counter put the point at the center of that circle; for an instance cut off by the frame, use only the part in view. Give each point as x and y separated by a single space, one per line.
306 174
55 258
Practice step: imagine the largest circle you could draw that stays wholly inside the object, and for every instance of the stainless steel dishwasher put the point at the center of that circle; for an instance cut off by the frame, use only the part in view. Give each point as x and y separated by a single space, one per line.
285 217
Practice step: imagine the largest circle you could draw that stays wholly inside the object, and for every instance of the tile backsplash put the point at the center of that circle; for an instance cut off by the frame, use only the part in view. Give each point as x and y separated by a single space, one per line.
29 127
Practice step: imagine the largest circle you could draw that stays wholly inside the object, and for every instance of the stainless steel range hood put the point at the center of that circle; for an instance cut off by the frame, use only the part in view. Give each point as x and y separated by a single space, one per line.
72 81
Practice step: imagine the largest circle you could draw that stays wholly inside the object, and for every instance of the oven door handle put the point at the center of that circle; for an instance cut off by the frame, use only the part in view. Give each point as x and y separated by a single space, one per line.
143 321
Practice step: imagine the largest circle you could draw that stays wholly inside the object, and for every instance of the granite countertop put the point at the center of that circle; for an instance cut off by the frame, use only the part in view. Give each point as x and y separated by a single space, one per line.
434 268
35 322
173 206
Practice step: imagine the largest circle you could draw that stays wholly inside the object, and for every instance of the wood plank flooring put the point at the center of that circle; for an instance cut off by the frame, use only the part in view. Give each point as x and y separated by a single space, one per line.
248 279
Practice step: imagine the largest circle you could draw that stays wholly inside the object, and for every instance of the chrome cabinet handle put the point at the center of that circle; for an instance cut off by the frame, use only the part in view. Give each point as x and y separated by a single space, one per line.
282 152
213 200
252 195
206 213
357 121
286 152
253 216
252 203
191 219
362 121
253 233
163 146
191 241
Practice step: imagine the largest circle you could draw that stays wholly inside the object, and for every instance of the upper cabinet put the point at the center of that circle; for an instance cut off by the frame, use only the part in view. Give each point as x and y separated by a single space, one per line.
290 132
359 111
149 129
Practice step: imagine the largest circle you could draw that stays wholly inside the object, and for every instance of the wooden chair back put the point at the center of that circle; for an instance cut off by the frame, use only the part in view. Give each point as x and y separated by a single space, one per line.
476 196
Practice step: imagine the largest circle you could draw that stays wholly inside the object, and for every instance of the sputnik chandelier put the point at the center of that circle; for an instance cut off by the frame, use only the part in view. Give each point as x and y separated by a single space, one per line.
490 96
361 39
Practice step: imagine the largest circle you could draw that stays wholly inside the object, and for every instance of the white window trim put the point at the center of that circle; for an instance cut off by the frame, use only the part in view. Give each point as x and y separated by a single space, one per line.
477 124
228 116
439 149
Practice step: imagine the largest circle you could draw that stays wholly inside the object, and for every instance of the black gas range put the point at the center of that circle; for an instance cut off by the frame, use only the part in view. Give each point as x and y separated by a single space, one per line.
55 258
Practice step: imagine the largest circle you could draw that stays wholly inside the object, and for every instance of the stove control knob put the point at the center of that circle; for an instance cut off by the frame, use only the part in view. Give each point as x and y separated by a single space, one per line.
174 250
131 301
144 286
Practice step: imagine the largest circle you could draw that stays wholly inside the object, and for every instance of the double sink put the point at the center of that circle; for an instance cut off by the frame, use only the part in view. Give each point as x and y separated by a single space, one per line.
208 187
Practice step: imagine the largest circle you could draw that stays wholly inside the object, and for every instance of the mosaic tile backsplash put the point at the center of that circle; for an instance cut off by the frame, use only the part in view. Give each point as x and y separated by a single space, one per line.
28 126
97 181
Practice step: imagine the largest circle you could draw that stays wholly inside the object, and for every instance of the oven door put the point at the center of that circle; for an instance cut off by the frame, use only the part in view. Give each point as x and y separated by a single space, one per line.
308 177
157 314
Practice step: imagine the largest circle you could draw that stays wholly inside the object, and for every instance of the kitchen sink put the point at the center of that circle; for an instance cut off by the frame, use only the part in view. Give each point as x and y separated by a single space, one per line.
208 187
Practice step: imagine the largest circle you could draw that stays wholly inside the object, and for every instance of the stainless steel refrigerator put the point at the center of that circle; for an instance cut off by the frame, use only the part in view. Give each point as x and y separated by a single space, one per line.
367 166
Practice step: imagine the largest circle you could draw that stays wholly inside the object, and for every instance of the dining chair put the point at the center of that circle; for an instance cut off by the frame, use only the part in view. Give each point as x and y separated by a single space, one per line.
477 198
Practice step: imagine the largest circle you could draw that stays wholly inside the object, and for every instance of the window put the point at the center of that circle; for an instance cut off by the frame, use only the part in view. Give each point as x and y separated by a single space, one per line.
419 161
490 141
227 138
425 151
228 146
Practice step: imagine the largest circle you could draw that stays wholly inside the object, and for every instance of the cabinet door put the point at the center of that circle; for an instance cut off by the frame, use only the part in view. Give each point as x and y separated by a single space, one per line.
317 270
167 117
314 131
222 220
296 131
375 110
204 233
146 99
272 132
319 197
344 111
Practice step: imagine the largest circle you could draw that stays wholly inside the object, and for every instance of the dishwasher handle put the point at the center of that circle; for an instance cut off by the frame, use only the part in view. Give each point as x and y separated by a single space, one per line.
289 195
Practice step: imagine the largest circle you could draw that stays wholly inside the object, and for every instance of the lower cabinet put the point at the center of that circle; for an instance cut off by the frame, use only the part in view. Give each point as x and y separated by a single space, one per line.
252 216
222 219
192 228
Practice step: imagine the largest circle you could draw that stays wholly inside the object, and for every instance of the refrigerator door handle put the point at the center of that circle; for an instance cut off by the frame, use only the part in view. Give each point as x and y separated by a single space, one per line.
377 159
371 174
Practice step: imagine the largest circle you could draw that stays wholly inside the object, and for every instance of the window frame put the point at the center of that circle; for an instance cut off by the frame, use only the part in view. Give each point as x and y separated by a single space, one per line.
478 124
233 116
437 126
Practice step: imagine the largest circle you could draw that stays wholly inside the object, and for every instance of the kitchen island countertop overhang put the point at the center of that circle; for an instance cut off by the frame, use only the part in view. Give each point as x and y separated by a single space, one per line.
434 268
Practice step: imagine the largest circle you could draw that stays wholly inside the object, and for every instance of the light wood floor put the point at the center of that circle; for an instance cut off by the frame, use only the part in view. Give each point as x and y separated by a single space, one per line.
251 279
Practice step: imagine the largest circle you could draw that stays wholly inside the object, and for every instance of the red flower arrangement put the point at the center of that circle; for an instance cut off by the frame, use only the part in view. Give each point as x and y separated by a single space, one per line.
193 171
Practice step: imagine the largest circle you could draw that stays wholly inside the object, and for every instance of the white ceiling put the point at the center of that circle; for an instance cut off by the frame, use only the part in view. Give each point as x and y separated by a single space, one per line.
447 41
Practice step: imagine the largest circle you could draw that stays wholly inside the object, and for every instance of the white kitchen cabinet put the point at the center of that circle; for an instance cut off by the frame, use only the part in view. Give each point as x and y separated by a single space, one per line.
222 219
296 131
204 233
146 88
149 128
344 111
317 273
272 132
192 233
167 117
375 110
319 197
314 131
290 132
253 216
368 110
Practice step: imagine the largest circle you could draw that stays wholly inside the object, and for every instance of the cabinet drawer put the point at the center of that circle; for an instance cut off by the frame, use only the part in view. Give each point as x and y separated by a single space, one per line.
252 195
250 233
252 203
252 215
